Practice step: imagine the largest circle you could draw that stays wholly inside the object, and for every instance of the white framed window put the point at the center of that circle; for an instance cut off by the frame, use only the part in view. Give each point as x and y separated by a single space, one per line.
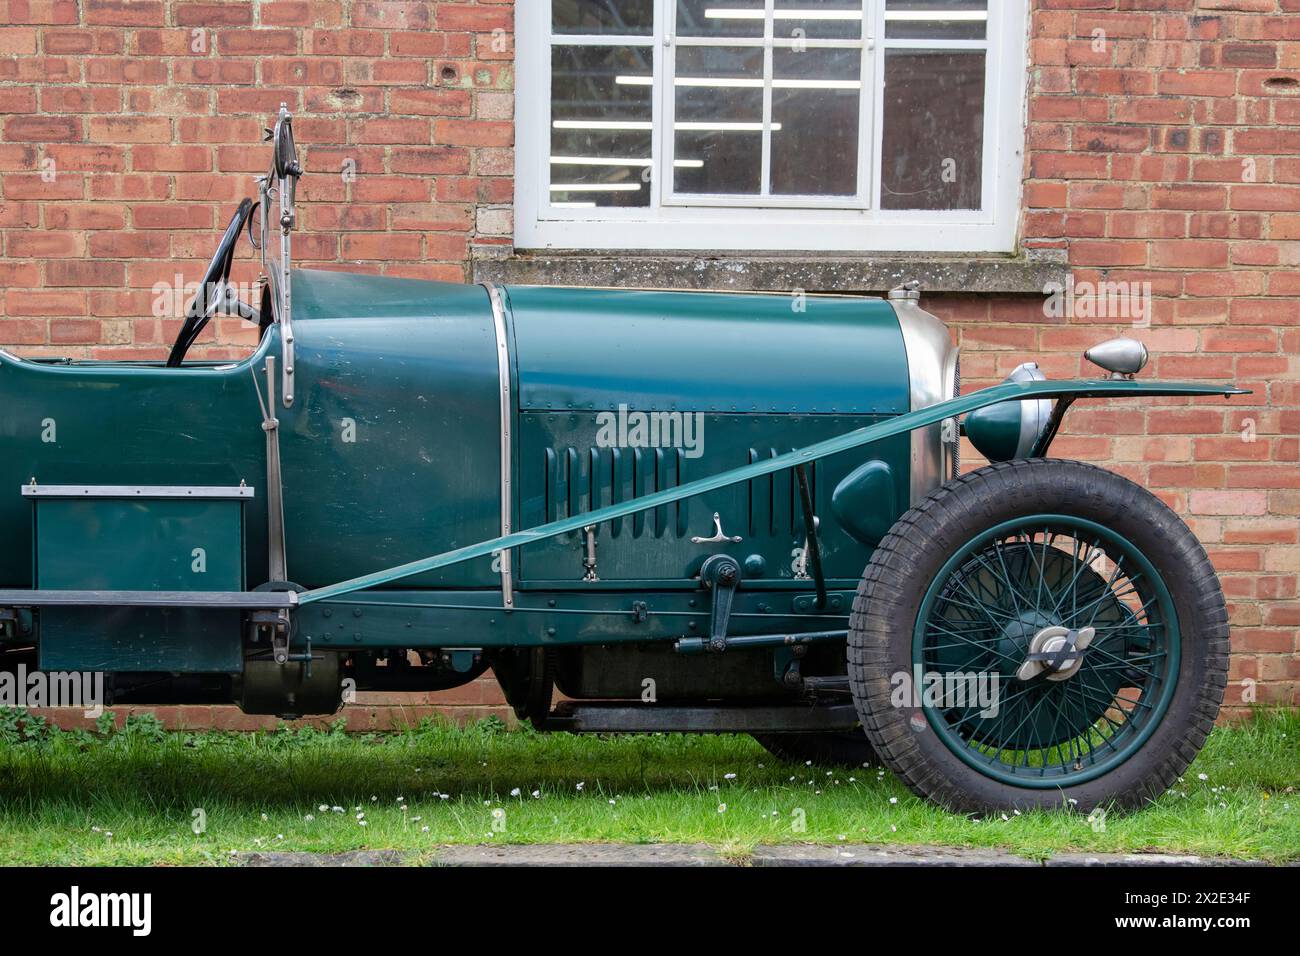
810 125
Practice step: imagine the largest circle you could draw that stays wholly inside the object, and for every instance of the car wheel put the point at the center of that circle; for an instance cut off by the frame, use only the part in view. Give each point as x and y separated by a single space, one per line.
1038 633
849 748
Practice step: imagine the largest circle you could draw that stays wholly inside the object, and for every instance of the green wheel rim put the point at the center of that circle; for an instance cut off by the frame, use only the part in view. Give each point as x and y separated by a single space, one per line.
979 617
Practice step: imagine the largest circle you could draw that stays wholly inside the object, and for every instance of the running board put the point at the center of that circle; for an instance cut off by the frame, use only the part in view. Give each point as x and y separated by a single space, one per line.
233 600
621 717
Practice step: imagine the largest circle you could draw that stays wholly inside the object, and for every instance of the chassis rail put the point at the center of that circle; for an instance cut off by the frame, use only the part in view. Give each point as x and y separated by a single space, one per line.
616 717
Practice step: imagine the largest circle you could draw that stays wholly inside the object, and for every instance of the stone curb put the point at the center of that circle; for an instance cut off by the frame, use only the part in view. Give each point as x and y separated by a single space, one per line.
699 854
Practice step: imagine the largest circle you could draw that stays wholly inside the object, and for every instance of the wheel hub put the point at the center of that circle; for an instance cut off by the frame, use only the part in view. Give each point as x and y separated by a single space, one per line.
1056 651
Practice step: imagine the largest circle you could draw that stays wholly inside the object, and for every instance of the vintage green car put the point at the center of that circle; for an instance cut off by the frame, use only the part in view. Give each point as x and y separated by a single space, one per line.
683 511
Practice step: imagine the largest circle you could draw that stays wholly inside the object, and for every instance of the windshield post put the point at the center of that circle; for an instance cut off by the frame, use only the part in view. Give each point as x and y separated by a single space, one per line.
279 187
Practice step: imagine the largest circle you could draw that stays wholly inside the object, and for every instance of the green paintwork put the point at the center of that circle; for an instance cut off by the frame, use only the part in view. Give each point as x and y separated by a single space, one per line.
866 502
115 544
80 546
594 349
563 474
408 371
898 425
995 430
109 424
581 354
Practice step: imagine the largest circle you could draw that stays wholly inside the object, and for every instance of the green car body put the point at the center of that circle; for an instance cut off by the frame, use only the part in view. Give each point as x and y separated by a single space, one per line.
392 449
633 497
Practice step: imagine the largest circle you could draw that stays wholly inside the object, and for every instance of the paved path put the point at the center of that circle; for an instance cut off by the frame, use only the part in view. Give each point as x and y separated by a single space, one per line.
699 854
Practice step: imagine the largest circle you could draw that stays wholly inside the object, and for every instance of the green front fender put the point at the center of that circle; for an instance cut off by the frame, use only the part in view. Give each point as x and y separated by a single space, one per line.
1005 392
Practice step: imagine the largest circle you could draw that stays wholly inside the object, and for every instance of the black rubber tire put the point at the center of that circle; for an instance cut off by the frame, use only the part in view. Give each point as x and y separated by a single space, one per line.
914 551
841 748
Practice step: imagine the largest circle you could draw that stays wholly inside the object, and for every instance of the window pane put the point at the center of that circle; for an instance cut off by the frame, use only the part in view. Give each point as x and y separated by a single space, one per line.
936 19
720 18
815 99
596 17
933 130
719 135
600 125
817 20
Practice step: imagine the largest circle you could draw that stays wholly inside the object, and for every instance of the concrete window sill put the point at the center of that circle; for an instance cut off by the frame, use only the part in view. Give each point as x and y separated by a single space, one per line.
775 272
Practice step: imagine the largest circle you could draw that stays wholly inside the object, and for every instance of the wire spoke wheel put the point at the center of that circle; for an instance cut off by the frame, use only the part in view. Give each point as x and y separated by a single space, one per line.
1038 633
1054 708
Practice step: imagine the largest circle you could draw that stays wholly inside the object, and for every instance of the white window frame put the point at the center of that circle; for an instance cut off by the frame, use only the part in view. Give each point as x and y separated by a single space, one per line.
782 223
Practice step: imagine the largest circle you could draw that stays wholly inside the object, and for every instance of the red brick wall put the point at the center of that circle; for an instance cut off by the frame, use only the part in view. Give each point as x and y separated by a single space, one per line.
150 112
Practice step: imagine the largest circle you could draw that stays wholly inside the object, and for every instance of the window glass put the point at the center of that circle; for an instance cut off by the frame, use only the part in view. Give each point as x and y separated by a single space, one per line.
796 20
936 19
816 99
601 122
719 123
720 18
599 17
933 145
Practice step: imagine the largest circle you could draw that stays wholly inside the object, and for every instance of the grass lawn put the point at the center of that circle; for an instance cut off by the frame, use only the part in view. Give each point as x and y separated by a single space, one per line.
136 796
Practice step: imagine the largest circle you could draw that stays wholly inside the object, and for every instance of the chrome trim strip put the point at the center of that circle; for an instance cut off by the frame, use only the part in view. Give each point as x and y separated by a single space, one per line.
238 600
283 288
507 410
284 188
136 491
932 373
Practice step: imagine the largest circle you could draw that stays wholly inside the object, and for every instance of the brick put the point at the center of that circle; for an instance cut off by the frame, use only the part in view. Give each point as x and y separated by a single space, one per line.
382 247
1189 197
257 42
42 129
436 102
172 216
473 18
1266 198
130 129
409 131
15 12
226 13
1227 502
85 216
84 272
1195 254
1108 253
137 13
126 70
24 302
1197 83
65 185
392 16
473 133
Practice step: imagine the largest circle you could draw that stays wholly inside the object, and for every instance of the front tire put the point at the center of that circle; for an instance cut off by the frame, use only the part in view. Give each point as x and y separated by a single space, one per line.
843 748
1077 609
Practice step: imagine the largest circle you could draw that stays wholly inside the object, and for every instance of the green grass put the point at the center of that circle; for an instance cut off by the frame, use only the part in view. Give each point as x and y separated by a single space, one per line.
129 797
